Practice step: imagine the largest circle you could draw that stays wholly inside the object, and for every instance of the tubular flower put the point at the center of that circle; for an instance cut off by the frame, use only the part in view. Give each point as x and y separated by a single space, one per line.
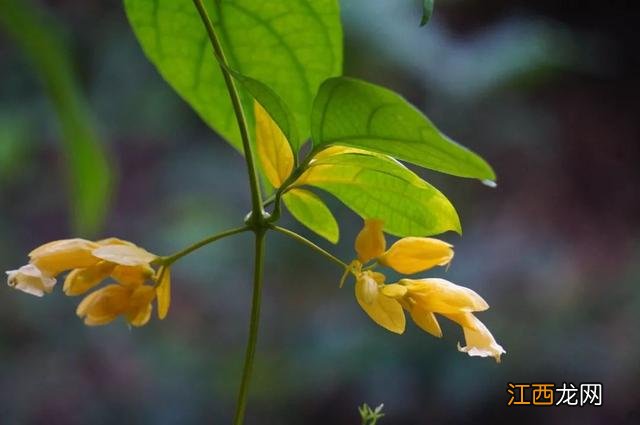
424 297
421 298
90 263
407 256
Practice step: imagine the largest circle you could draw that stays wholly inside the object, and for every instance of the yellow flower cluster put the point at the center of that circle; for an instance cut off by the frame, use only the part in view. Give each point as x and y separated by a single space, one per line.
422 298
91 263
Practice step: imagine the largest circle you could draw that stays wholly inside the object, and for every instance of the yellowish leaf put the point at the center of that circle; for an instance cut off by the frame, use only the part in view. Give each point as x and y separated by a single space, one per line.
274 151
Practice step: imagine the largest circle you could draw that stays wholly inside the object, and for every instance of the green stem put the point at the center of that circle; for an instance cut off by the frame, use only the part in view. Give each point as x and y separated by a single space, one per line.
253 328
188 250
256 197
305 241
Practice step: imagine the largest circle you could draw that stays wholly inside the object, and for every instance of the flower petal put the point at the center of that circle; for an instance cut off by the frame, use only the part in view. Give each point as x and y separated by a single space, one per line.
441 296
370 242
394 290
479 340
104 305
163 292
140 307
383 310
31 280
426 321
58 256
80 281
412 255
132 276
126 255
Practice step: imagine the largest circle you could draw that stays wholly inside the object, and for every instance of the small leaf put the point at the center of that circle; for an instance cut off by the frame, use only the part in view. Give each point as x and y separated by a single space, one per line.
289 45
311 211
358 114
376 186
273 149
427 11
273 104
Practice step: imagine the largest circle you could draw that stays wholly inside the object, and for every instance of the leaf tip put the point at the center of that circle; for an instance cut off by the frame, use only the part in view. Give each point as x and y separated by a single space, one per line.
489 183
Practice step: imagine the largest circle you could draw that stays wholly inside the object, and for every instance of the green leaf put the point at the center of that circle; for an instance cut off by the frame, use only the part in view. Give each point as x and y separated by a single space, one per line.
355 113
375 186
311 211
290 46
427 11
90 176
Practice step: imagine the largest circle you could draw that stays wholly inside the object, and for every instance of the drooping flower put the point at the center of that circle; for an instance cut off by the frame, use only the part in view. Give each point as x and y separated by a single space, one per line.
91 263
422 298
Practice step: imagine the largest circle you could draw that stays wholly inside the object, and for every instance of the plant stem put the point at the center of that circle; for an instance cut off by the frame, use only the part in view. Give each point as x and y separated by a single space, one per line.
305 241
253 328
256 197
188 250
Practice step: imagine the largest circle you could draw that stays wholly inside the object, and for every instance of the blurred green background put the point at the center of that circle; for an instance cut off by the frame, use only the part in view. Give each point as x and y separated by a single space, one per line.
547 91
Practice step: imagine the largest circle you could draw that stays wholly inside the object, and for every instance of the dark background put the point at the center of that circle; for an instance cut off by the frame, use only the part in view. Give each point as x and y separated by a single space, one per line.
546 90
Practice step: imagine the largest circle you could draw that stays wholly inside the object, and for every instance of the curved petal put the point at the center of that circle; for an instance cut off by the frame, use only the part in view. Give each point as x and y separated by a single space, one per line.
426 321
56 257
126 255
104 305
479 340
412 255
163 292
441 296
80 281
394 290
383 310
370 242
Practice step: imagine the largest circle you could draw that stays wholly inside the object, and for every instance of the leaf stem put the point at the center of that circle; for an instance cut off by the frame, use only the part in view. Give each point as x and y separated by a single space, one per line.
167 261
253 328
256 196
305 241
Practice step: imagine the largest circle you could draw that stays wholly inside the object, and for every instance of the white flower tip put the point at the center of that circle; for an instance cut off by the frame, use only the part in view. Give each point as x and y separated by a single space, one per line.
31 280
495 350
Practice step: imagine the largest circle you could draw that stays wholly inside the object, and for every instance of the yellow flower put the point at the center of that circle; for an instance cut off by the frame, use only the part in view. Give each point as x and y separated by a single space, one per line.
385 311
407 256
424 297
106 304
412 255
91 263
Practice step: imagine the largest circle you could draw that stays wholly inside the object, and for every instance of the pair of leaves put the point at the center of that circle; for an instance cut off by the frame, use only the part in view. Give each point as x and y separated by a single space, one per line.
280 51
373 185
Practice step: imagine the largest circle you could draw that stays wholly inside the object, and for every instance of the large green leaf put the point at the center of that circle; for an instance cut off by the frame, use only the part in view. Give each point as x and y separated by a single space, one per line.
289 45
90 177
311 211
375 186
354 113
